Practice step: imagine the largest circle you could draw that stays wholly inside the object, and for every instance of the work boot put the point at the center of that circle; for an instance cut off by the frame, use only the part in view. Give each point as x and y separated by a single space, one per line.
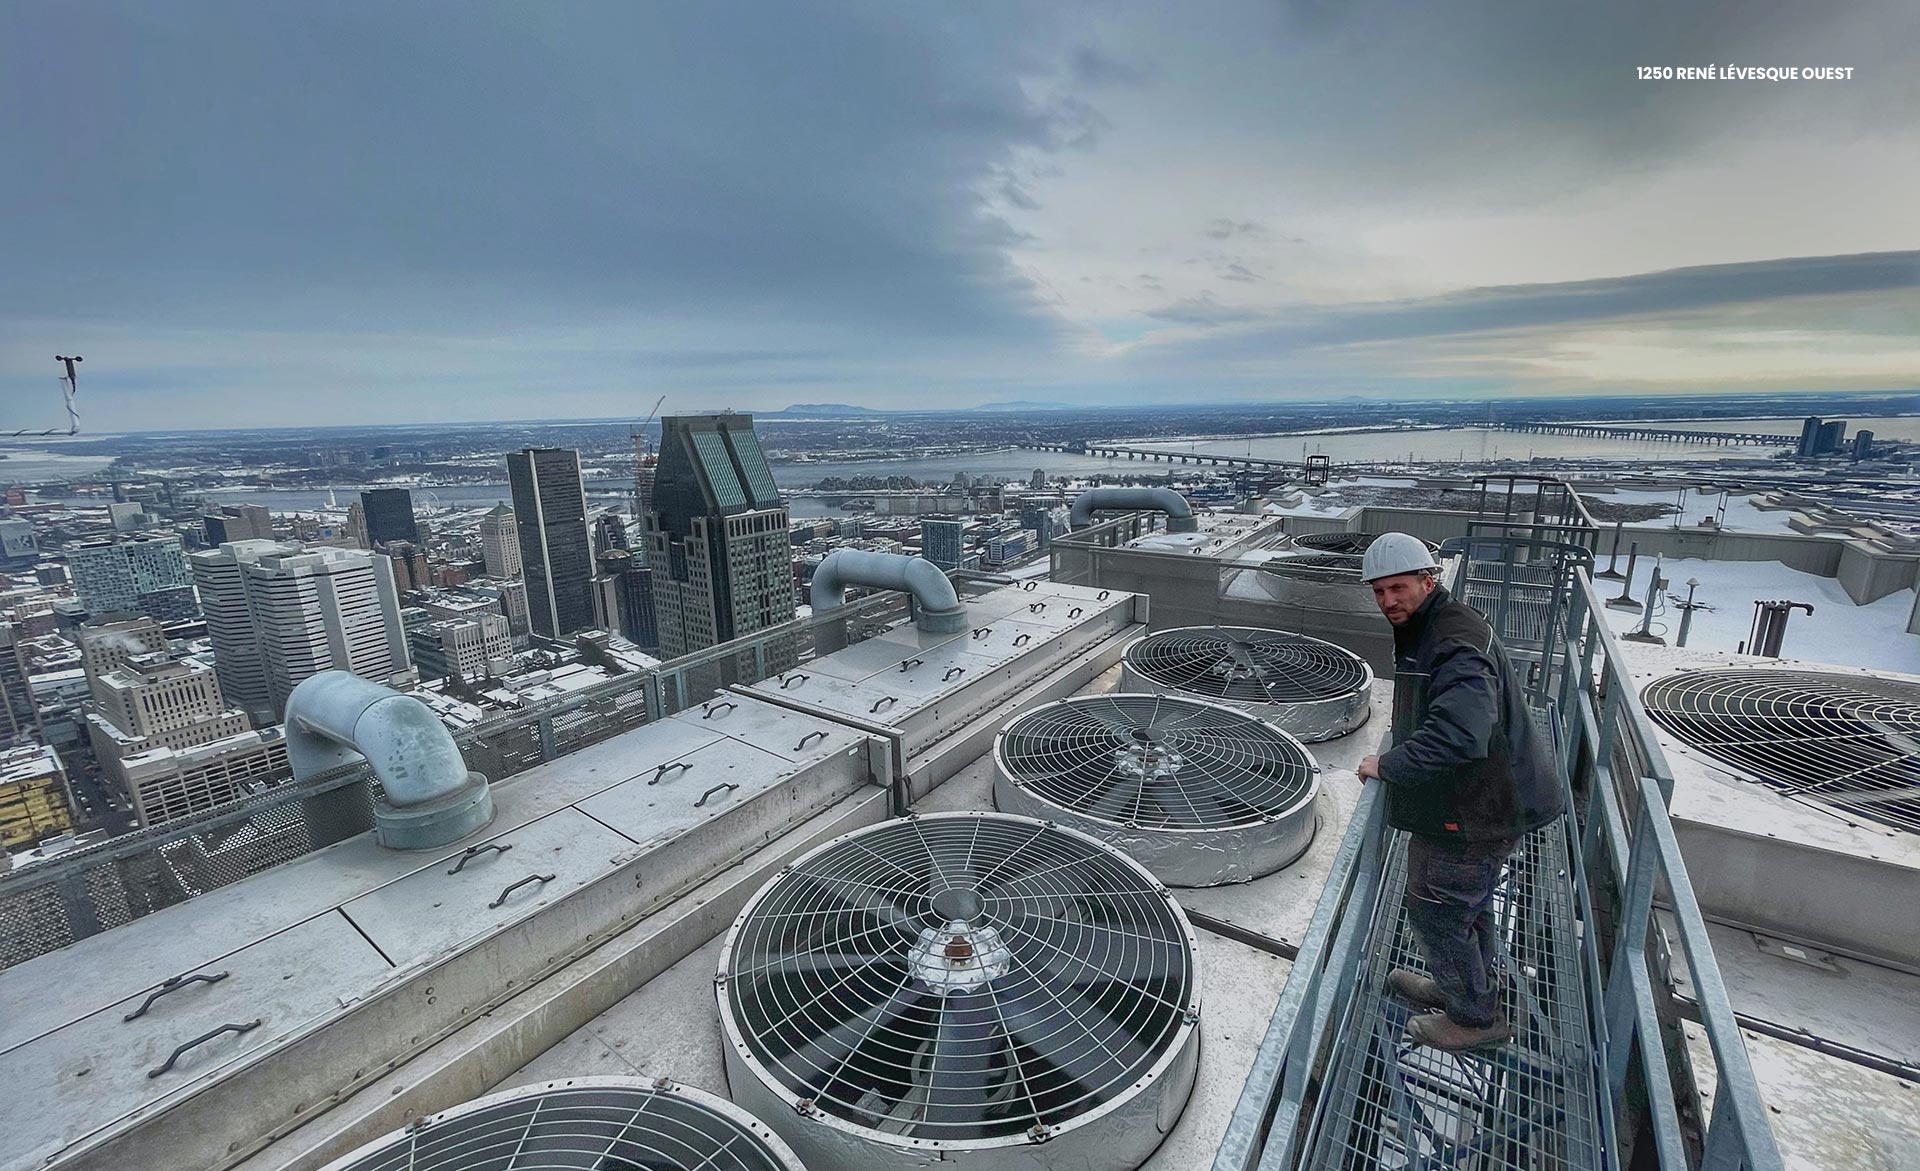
1441 1031
1414 988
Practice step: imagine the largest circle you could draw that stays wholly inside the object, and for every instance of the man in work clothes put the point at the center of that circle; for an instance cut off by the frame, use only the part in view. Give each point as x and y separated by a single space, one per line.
1469 776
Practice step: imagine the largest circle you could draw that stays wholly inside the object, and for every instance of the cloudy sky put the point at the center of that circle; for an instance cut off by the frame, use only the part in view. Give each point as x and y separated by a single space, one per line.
253 213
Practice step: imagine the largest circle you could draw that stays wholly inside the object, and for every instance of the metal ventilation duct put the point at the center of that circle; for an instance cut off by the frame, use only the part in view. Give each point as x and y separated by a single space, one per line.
588 1124
1844 741
1199 793
965 989
1348 543
1307 686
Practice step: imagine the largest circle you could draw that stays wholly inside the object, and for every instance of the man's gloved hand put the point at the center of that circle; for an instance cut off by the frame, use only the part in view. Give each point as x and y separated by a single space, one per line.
1369 769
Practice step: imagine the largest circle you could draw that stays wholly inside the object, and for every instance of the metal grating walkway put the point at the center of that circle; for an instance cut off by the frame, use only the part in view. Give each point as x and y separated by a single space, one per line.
1528 1106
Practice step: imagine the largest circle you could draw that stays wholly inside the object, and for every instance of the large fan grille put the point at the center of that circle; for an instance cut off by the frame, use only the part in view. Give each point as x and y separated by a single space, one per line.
1839 740
1316 566
1351 544
960 977
1158 762
588 1124
1243 665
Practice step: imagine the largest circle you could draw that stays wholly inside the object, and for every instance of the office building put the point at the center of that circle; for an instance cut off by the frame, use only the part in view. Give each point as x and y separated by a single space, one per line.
128 517
278 613
500 543
469 646
942 539
19 548
1862 445
167 783
627 598
411 573
108 644
609 532
35 801
1038 516
1833 434
1007 546
716 536
143 575
236 522
156 719
18 718
357 526
556 554
389 516
1039 480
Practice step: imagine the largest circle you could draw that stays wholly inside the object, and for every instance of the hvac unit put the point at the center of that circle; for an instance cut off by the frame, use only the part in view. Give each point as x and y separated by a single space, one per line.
965 989
1199 793
1848 742
582 1124
1307 686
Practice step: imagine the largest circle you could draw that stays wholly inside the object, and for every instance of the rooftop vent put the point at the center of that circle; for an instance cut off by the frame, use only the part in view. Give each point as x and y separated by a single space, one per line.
1311 688
1199 793
966 988
592 1124
1844 741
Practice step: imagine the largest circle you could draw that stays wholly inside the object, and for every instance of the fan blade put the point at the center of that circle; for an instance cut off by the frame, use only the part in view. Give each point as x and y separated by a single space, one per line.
1086 955
884 905
1118 801
1070 1034
965 1075
812 965
836 1016
880 1059
822 1058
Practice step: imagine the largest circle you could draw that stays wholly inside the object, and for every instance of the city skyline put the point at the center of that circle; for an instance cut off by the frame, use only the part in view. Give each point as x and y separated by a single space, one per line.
489 214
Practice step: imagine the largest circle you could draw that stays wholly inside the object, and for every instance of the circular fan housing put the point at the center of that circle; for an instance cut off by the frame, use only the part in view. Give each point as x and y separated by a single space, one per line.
964 988
1330 567
588 1123
1350 544
1305 686
1848 742
1199 793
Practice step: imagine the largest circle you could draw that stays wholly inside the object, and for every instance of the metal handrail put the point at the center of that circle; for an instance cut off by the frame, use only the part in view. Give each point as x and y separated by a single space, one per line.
1624 832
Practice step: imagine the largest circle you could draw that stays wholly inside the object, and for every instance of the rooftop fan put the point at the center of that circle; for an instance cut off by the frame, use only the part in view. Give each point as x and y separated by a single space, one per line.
1311 688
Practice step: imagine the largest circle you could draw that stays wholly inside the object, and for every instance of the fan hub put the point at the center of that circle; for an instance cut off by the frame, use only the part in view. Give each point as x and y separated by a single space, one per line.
1151 760
958 957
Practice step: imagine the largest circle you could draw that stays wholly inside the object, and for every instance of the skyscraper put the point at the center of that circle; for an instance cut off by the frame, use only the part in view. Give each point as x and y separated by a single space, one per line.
556 554
389 513
716 535
241 522
278 613
18 717
941 540
630 606
500 543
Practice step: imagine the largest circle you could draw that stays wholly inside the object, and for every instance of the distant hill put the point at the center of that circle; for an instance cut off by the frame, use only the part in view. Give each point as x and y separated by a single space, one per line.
819 410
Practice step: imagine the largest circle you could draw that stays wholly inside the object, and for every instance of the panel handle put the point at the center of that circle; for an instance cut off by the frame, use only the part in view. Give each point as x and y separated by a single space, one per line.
674 767
473 852
173 984
722 787
542 879
248 1027
706 713
815 734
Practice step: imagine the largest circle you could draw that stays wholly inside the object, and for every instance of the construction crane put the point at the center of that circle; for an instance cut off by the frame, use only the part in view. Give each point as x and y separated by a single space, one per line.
69 386
643 462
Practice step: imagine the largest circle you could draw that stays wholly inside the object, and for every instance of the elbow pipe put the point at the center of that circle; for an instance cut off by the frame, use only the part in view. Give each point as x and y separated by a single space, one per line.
938 606
431 799
1180 518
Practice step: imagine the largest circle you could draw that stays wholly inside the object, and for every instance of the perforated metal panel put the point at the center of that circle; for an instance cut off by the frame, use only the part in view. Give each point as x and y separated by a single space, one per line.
1311 688
1199 793
969 988
582 1124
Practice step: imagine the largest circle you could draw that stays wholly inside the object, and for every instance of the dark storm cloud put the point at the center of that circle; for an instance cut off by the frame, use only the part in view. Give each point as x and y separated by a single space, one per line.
1676 291
355 164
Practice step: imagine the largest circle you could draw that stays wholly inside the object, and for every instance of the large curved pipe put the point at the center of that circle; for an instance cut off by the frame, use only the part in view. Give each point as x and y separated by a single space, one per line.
940 611
337 718
1180 518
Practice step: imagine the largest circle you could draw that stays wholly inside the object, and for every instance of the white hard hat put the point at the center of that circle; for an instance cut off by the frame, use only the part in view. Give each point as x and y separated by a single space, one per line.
1392 553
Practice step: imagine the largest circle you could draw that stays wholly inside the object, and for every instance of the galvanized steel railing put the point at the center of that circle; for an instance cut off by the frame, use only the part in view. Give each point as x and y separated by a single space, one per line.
1621 849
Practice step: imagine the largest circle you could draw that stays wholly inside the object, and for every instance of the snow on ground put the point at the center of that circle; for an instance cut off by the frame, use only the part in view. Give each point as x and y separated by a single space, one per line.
1741 516
1873 636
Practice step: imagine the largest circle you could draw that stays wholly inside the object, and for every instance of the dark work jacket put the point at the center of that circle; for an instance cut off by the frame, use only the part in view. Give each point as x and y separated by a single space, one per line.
1468 763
